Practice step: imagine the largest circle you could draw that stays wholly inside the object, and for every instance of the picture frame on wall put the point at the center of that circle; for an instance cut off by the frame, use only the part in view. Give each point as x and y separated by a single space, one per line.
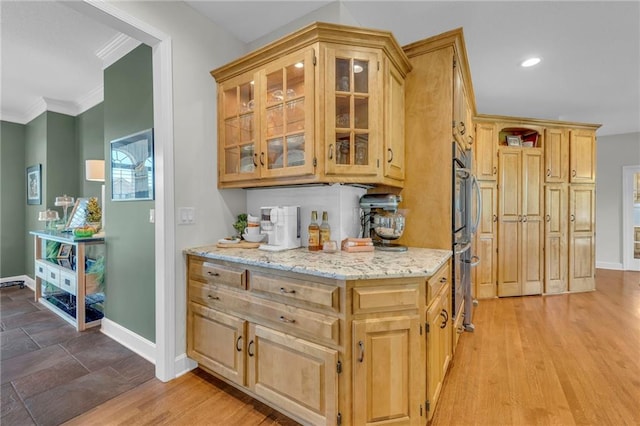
34 184
132 167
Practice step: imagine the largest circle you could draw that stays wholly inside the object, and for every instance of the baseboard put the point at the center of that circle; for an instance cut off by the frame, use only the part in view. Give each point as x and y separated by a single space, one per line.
28 281
138 344
610 265
183 365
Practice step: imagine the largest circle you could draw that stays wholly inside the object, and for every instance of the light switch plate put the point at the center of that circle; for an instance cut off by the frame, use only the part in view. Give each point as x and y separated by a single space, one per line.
186 215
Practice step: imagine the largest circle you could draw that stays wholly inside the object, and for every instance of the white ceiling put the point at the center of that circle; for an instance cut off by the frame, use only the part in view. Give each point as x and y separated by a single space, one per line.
589 71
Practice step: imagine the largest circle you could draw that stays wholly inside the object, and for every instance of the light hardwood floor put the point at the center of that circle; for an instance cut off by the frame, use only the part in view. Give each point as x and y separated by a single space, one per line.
553 360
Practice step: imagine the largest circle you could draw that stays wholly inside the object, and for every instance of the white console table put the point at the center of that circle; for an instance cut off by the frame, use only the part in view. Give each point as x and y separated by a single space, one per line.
74 291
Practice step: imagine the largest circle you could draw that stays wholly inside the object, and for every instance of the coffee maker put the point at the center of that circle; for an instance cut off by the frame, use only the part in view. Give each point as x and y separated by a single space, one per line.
381 220
282 226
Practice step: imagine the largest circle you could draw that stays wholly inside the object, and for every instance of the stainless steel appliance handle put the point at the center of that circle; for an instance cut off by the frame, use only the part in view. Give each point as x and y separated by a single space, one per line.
474 261
474 182
464 248
463 173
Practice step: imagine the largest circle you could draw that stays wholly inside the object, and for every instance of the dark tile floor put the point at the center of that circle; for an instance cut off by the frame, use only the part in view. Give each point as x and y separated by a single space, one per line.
49 372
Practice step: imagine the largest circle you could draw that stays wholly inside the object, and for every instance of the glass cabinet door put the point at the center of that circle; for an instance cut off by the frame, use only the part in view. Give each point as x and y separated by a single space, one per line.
238 153
353 112
287 95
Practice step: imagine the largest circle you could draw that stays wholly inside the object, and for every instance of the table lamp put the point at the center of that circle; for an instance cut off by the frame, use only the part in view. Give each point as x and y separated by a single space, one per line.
94 172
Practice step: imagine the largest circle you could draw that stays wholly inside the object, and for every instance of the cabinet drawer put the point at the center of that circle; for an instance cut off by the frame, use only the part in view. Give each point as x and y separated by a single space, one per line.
41 271
297 321
216 297
296 292
52 275
219 274
68 282
437 281
385 298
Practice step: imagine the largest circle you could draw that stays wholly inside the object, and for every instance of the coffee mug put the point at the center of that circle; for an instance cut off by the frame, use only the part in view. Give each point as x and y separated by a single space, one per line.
252 230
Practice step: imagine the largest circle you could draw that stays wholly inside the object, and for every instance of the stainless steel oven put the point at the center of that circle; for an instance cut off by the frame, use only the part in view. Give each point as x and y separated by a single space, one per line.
466 209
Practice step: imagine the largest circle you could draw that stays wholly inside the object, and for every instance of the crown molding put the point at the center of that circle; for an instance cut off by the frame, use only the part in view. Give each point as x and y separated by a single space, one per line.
90 100
115 49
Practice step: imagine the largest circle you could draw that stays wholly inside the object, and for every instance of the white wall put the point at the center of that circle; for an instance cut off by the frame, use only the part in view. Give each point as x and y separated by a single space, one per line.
198 46
613 152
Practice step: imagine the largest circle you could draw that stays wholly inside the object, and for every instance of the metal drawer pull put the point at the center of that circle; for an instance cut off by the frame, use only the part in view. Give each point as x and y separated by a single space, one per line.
262 158
249 348
210 297
445 318
361 346
285 291
573 173
548 172
573 218
391 155
524 218
255 155
548 218
238 340
285 319
443 279
331 152
495 218
67 281
213 274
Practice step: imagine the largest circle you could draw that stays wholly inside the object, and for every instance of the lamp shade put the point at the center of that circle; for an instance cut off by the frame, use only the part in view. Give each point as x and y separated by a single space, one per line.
94 170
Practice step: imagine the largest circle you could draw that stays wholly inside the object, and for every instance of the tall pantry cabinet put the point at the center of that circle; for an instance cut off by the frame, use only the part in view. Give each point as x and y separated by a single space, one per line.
537 227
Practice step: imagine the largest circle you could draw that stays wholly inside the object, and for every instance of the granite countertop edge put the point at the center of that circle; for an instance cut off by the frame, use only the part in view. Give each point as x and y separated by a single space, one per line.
415 262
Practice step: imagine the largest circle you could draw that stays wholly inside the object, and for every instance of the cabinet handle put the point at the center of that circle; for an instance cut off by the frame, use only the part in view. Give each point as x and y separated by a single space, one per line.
495 218
462 128
573 218
470 140
285 319
67 281
213 274
249 348
524 218
445 318
331 152
210 297
255 155
519 218
548 218
262 158
495 170
443 279
361 346
573 173
285 291
238 340
390 151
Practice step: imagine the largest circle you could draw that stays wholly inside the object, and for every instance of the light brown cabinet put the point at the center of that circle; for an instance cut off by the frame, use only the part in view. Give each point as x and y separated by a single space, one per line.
486 152
582 237
323 351
555 238
556 155
582 156
324 104
486 242
520 262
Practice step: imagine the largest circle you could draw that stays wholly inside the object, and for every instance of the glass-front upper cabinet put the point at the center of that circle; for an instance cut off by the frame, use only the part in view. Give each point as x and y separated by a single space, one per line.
353 114
287 102
238 144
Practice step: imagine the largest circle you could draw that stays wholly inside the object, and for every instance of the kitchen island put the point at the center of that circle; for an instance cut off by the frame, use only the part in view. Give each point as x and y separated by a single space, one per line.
326 338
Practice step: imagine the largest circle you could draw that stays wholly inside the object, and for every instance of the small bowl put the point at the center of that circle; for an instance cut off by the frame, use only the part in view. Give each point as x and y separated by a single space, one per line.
253 238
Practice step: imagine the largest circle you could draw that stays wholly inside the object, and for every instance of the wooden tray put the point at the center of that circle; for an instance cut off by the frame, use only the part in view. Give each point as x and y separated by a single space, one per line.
241 244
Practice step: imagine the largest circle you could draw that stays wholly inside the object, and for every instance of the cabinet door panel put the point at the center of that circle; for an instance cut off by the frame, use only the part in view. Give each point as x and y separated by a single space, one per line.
556 155
582 156
510 184
556 249
486 152
394 134
582 211
531 258
509 259
532 195
216 340
486 242
581 237
296 375
385 354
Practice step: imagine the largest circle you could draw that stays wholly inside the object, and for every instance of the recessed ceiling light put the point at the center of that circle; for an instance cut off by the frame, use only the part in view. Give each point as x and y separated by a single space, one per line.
530 62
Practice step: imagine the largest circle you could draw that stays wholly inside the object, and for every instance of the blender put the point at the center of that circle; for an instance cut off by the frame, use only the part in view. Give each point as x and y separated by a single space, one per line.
382 221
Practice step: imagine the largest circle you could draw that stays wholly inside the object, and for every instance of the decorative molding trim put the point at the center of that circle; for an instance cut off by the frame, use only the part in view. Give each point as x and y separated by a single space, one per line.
29 282
34 110
62 107
609 265
183 365
138 344
116 48
90 100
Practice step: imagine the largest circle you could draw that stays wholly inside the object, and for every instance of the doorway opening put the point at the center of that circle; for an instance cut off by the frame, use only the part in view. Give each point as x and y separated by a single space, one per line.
631 218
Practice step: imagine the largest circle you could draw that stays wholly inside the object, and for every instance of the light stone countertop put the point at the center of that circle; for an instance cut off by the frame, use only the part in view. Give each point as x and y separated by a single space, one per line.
415 262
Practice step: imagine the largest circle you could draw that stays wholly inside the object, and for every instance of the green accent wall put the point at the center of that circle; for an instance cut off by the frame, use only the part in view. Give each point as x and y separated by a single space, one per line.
12 199
130 263
90 134
35 153
63 162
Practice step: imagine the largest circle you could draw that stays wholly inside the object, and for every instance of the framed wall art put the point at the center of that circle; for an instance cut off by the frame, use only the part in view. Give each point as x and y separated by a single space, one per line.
132 167
34 184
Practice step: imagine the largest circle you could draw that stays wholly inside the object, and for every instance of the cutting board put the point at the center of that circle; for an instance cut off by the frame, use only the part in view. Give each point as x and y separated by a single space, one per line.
241 244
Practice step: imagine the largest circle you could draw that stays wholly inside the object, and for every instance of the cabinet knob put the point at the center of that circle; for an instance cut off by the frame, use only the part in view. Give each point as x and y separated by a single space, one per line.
390 157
